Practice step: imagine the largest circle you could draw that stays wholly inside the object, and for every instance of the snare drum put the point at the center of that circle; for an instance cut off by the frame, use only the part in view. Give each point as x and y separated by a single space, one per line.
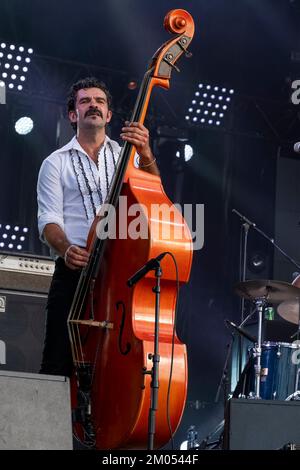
280 370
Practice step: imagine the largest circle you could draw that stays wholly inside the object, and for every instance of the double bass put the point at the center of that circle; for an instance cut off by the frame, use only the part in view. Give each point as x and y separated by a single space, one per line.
111 326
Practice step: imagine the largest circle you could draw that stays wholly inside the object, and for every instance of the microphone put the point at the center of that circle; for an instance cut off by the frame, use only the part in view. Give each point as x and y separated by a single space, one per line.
297 147
242 331
151 264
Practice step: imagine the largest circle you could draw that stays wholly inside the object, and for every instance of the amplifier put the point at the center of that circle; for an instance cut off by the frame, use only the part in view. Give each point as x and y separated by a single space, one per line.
35 412
25 272
22 324
261 424
24 285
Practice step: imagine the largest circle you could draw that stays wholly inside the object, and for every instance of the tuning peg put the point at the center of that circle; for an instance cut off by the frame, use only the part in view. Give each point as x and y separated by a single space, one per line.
168 59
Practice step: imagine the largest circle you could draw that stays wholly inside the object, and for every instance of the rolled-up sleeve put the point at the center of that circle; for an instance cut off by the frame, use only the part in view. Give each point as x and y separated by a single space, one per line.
50 195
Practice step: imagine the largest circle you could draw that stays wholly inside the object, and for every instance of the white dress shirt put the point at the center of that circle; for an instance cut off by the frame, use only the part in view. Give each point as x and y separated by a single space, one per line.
71 188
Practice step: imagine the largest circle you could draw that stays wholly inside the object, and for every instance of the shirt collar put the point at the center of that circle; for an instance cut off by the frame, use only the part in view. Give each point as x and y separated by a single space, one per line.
74 144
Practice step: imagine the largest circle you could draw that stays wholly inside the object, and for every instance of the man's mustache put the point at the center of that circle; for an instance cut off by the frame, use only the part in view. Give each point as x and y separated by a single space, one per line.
93 111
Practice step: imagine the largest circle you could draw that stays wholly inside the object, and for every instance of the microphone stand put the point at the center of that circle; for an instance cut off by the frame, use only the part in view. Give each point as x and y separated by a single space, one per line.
153 264
155 360
243 258
263 234
242 277
224 378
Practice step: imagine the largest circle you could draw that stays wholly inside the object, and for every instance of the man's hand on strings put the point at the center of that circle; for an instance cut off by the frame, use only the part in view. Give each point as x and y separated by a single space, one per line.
75 257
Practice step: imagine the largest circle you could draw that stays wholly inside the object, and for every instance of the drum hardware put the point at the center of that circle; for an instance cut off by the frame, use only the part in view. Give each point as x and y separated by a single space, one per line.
241 331
224 377
262 292
271 291
294 396
290 446
296 334
275 291
192 442
289 310
214 440
260 305
279 374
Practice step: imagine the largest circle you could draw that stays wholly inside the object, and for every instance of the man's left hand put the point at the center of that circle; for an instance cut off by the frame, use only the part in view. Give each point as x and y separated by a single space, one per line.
136 133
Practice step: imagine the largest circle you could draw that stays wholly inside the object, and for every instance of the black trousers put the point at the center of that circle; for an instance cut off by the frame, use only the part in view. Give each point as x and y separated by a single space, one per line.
57 356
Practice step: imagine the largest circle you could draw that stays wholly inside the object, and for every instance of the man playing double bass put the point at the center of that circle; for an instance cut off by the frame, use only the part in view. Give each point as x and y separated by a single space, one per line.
73 183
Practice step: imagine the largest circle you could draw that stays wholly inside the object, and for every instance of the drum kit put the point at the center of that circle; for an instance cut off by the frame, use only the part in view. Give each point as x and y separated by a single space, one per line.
273 367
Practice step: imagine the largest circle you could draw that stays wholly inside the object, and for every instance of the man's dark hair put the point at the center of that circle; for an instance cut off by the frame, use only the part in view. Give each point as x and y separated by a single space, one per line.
89 82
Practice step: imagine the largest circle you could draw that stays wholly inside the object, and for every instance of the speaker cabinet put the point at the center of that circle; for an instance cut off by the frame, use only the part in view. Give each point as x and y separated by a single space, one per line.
22 323
261 424
35 412
287 217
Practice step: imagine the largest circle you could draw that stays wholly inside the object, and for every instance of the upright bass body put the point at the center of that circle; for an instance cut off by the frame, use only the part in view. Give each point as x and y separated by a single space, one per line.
114 333
121 392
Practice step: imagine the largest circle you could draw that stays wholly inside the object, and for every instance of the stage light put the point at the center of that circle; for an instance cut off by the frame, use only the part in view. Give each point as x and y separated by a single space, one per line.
186 152
24 125
132 85
11 238
207 101
2 92
16 58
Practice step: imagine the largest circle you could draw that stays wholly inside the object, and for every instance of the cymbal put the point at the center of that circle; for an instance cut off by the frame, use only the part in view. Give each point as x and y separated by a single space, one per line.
289 310
272 291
